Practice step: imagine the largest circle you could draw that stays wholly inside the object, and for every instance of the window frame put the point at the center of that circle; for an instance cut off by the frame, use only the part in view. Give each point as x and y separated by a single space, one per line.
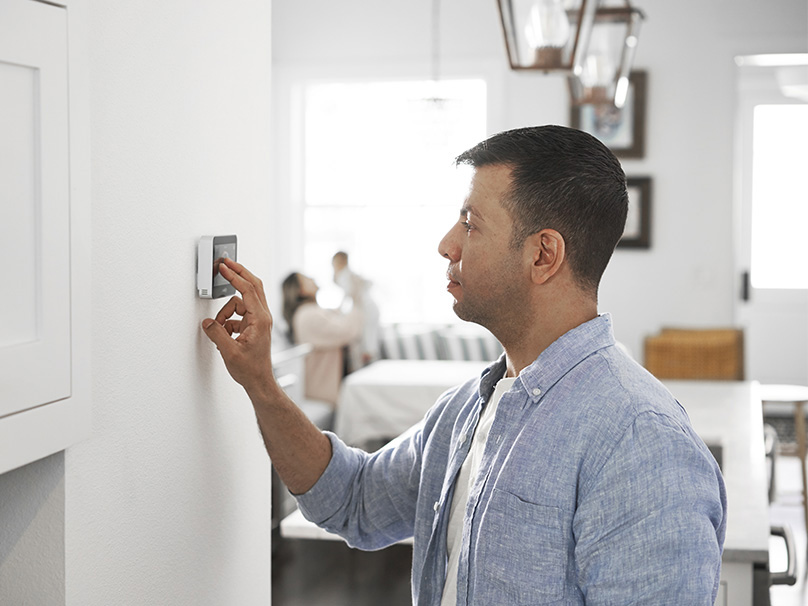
289 123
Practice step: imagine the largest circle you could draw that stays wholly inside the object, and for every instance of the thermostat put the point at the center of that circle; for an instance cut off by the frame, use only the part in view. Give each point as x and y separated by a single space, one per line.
211 251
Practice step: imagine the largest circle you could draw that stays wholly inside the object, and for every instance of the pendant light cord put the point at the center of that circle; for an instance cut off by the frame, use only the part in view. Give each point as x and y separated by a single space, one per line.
435 40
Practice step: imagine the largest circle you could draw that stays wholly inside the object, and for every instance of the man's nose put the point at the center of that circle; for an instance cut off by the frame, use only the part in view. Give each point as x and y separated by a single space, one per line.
449 246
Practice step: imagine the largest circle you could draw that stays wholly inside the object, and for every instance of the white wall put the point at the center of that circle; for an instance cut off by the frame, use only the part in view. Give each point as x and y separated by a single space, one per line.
32 534
169 501
687 48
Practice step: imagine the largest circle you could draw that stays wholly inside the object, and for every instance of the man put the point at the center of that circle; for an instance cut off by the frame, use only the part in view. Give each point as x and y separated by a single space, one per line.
565 473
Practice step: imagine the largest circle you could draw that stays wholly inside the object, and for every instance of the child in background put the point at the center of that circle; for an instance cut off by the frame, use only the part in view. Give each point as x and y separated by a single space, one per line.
365 349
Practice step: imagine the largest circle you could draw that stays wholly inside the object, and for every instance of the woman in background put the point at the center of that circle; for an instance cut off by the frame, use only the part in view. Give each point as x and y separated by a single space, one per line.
328 331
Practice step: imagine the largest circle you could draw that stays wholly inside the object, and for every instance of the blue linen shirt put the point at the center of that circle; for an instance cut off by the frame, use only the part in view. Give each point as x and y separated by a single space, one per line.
593 488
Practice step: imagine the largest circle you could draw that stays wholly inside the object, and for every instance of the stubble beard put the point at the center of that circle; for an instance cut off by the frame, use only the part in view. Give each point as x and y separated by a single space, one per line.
501 312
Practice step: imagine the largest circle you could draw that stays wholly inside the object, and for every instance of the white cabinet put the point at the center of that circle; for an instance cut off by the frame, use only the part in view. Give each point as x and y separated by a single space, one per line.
41 290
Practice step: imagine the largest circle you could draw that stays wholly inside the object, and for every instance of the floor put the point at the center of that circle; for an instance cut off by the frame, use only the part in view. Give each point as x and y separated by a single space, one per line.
328 573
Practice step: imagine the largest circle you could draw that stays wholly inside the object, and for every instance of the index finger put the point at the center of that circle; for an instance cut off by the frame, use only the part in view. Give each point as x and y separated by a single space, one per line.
242 278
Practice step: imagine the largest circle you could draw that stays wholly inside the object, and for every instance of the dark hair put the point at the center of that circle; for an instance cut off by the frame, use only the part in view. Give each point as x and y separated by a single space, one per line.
292 299
562 179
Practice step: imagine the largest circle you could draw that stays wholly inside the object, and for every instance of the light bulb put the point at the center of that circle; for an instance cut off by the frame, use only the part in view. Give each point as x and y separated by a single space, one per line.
600 66
547 25
598 70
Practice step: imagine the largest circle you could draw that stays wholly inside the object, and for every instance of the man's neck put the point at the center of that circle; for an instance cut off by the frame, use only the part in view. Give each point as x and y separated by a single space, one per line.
522 349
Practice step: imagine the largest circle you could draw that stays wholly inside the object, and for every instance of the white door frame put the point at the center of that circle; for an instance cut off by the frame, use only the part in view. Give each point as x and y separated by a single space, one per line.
775 321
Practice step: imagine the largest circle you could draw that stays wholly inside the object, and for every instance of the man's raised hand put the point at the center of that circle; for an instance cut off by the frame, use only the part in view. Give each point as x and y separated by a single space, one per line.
247 357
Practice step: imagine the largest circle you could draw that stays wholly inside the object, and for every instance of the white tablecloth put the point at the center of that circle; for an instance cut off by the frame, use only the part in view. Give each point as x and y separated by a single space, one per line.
388 397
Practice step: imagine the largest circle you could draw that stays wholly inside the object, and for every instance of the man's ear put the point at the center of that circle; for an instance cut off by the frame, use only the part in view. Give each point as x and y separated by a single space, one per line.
548 251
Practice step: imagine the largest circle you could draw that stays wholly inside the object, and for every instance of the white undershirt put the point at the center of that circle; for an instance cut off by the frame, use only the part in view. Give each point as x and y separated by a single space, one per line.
465 479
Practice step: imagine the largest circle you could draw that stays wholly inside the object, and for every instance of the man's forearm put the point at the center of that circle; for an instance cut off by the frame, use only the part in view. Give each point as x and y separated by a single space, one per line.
299 451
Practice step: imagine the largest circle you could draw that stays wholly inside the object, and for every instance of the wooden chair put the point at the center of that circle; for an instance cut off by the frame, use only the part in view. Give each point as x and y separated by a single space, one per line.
708 354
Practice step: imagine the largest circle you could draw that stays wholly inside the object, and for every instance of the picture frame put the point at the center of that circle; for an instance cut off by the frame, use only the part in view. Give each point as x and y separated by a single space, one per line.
621 130
638 222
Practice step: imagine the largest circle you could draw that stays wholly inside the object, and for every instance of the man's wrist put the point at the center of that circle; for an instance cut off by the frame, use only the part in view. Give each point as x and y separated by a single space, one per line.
267 393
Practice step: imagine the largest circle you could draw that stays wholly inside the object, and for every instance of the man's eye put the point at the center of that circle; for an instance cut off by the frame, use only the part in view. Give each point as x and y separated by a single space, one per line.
466 225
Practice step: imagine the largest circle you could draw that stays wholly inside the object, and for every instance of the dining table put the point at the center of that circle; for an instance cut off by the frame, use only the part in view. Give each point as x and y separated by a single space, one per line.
385 398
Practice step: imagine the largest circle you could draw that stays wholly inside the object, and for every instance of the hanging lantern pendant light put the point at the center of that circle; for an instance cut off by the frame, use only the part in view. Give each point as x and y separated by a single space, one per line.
546 35
603 77
591 42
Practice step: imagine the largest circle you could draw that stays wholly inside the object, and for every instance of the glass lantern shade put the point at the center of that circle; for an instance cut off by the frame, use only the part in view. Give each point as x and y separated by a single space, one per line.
602 78
547 35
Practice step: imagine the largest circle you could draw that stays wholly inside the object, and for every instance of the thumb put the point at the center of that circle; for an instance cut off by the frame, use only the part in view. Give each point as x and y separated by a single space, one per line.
216 333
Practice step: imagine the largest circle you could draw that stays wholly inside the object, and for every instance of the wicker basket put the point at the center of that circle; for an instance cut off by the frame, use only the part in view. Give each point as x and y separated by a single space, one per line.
708 354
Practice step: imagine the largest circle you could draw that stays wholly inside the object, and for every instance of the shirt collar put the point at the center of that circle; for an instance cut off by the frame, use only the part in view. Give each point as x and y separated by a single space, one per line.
555 361
490 377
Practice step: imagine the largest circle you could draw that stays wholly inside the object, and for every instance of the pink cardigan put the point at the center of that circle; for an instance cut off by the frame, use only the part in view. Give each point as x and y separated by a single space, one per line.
328 331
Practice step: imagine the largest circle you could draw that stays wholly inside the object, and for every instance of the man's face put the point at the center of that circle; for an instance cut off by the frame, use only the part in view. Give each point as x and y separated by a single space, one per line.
487 277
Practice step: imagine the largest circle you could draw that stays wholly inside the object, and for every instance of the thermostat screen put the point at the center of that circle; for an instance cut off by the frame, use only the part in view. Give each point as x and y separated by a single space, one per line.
222 251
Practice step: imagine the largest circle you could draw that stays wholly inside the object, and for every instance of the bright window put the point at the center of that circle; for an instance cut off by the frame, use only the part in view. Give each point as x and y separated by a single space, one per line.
379 182
779 196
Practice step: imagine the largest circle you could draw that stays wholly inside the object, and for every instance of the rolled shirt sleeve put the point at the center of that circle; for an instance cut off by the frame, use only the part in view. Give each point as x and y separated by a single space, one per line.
367 499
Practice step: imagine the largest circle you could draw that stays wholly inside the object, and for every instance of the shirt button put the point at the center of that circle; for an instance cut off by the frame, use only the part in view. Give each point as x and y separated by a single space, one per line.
463 439
436 506
536 391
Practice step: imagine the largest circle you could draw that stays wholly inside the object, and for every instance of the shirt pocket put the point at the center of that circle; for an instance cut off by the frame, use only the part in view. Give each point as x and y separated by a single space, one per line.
521 555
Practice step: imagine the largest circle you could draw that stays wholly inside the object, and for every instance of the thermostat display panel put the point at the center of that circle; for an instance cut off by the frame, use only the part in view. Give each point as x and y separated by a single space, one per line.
212 249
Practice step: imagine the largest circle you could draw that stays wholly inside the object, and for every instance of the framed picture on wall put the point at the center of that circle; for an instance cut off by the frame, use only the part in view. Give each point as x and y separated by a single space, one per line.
622 130
638 222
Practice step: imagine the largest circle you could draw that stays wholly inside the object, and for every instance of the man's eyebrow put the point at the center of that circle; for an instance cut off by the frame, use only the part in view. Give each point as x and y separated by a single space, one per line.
469 209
